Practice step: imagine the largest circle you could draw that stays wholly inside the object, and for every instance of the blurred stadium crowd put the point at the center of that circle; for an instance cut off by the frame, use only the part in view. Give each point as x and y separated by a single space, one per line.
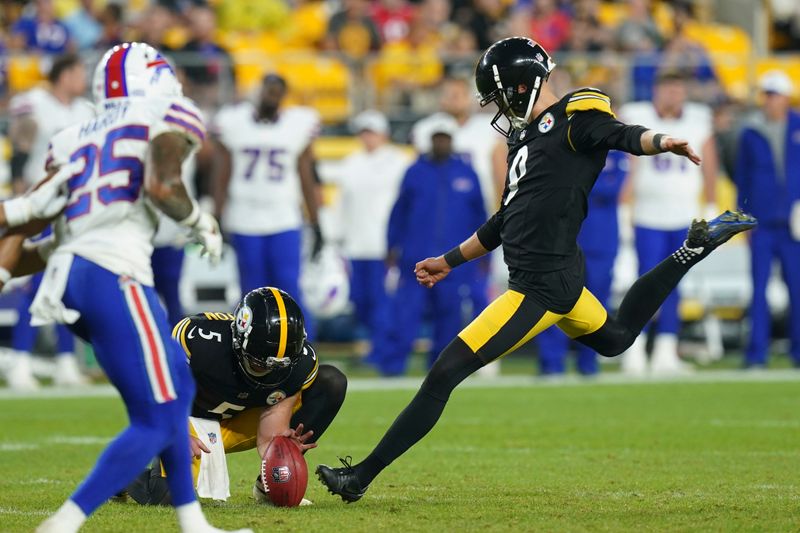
404 60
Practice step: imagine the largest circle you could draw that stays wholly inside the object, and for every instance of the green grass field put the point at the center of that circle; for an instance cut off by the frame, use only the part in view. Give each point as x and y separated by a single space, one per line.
685 456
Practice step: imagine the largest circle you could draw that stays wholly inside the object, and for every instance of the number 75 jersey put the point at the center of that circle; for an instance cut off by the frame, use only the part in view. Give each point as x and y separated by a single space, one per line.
264 195
108 219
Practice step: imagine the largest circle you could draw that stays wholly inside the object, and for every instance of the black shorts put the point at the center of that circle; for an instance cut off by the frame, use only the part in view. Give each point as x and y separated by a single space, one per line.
557 291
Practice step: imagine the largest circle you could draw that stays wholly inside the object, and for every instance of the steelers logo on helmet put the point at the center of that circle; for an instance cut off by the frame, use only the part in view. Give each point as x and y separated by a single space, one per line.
244 319
276 397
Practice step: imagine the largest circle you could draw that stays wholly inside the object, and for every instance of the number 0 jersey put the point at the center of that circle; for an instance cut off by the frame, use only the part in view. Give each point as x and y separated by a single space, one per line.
108 219
552 167
221 391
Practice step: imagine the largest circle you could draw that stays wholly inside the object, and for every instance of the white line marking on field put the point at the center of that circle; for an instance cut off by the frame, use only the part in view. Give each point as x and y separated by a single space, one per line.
8 510
476 382
18 446
782 424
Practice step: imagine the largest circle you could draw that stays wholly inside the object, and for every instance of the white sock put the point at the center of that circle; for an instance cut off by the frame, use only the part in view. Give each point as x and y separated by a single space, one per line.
191 517
69 517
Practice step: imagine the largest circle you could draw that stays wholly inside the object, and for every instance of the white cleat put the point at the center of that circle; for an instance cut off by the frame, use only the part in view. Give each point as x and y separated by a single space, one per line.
666 361
20 376
67 373
634 359
261 496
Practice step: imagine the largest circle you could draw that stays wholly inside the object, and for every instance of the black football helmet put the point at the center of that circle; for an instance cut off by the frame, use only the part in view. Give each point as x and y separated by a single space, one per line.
511 73
268 336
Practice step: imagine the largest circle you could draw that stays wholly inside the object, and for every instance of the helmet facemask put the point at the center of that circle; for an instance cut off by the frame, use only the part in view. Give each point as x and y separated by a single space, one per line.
515 103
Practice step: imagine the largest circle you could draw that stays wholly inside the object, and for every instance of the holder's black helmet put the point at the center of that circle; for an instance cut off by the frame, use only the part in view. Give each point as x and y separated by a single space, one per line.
511 73
268 336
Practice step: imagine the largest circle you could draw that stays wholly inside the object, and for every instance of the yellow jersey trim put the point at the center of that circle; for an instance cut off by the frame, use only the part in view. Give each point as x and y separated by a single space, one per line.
179 334
588 101
284 322
311 376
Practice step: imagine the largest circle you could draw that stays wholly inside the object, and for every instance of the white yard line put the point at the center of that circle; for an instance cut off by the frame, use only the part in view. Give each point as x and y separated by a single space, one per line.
500 382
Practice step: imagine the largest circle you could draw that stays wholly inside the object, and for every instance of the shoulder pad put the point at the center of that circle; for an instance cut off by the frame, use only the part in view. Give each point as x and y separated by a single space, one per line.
589 99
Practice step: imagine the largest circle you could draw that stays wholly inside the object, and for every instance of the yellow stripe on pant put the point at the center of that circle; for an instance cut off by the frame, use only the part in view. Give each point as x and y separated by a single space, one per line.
512 320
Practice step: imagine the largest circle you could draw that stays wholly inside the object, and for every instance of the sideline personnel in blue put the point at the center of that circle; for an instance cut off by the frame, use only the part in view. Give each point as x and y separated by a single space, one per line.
439 204
768 178
599 240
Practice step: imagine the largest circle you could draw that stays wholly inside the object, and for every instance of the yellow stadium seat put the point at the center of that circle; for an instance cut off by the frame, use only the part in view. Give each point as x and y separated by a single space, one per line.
317 81
307 26
611 14
790 64
24 72
400 64
730 49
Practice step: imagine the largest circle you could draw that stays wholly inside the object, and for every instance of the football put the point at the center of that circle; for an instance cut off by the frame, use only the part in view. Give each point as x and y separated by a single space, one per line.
284 472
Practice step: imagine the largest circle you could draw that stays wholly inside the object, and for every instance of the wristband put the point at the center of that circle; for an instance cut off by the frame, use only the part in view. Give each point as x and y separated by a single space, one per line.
657 141
17 211
193 217
5 276
454 257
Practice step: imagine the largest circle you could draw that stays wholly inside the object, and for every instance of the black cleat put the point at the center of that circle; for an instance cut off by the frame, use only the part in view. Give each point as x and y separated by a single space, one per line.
719 230
342 481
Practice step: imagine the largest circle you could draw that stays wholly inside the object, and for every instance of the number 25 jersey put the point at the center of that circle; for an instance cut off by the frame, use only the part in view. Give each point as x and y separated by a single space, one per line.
264 194
108 220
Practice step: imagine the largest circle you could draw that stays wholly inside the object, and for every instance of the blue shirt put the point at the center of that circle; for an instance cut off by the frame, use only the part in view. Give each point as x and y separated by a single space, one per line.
439 206
49 38
767 188
600 230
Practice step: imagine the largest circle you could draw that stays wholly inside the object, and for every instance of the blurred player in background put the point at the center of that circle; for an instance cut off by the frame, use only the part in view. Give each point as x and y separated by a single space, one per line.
557 147
98 276
266 167
168 254
665 196
767 174
36 116
439 202
368 181
257 377
599 240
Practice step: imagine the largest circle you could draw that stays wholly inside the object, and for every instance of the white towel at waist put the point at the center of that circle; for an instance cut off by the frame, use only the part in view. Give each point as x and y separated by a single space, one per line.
212 479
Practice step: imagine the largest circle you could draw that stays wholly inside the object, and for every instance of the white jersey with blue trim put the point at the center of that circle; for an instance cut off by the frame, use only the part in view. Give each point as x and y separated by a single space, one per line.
666 187
264 194
108 219
51 115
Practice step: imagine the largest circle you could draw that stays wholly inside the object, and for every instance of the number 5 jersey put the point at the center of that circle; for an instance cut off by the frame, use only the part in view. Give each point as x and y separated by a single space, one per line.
108 219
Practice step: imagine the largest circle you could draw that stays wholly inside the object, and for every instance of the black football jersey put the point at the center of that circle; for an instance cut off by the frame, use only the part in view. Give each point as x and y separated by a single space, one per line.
552 166
221 391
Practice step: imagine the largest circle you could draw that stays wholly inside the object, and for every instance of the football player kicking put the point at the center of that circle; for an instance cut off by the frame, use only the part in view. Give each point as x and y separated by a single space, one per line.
557 147
98 277
257 377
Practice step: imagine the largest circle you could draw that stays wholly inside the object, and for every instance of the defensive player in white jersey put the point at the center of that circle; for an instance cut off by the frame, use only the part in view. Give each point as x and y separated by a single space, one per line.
265 172
98 277
666 193
369 180
36 115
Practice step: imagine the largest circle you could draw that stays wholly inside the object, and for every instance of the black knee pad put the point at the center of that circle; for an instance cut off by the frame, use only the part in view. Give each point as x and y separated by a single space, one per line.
333 383
150 488
610 340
